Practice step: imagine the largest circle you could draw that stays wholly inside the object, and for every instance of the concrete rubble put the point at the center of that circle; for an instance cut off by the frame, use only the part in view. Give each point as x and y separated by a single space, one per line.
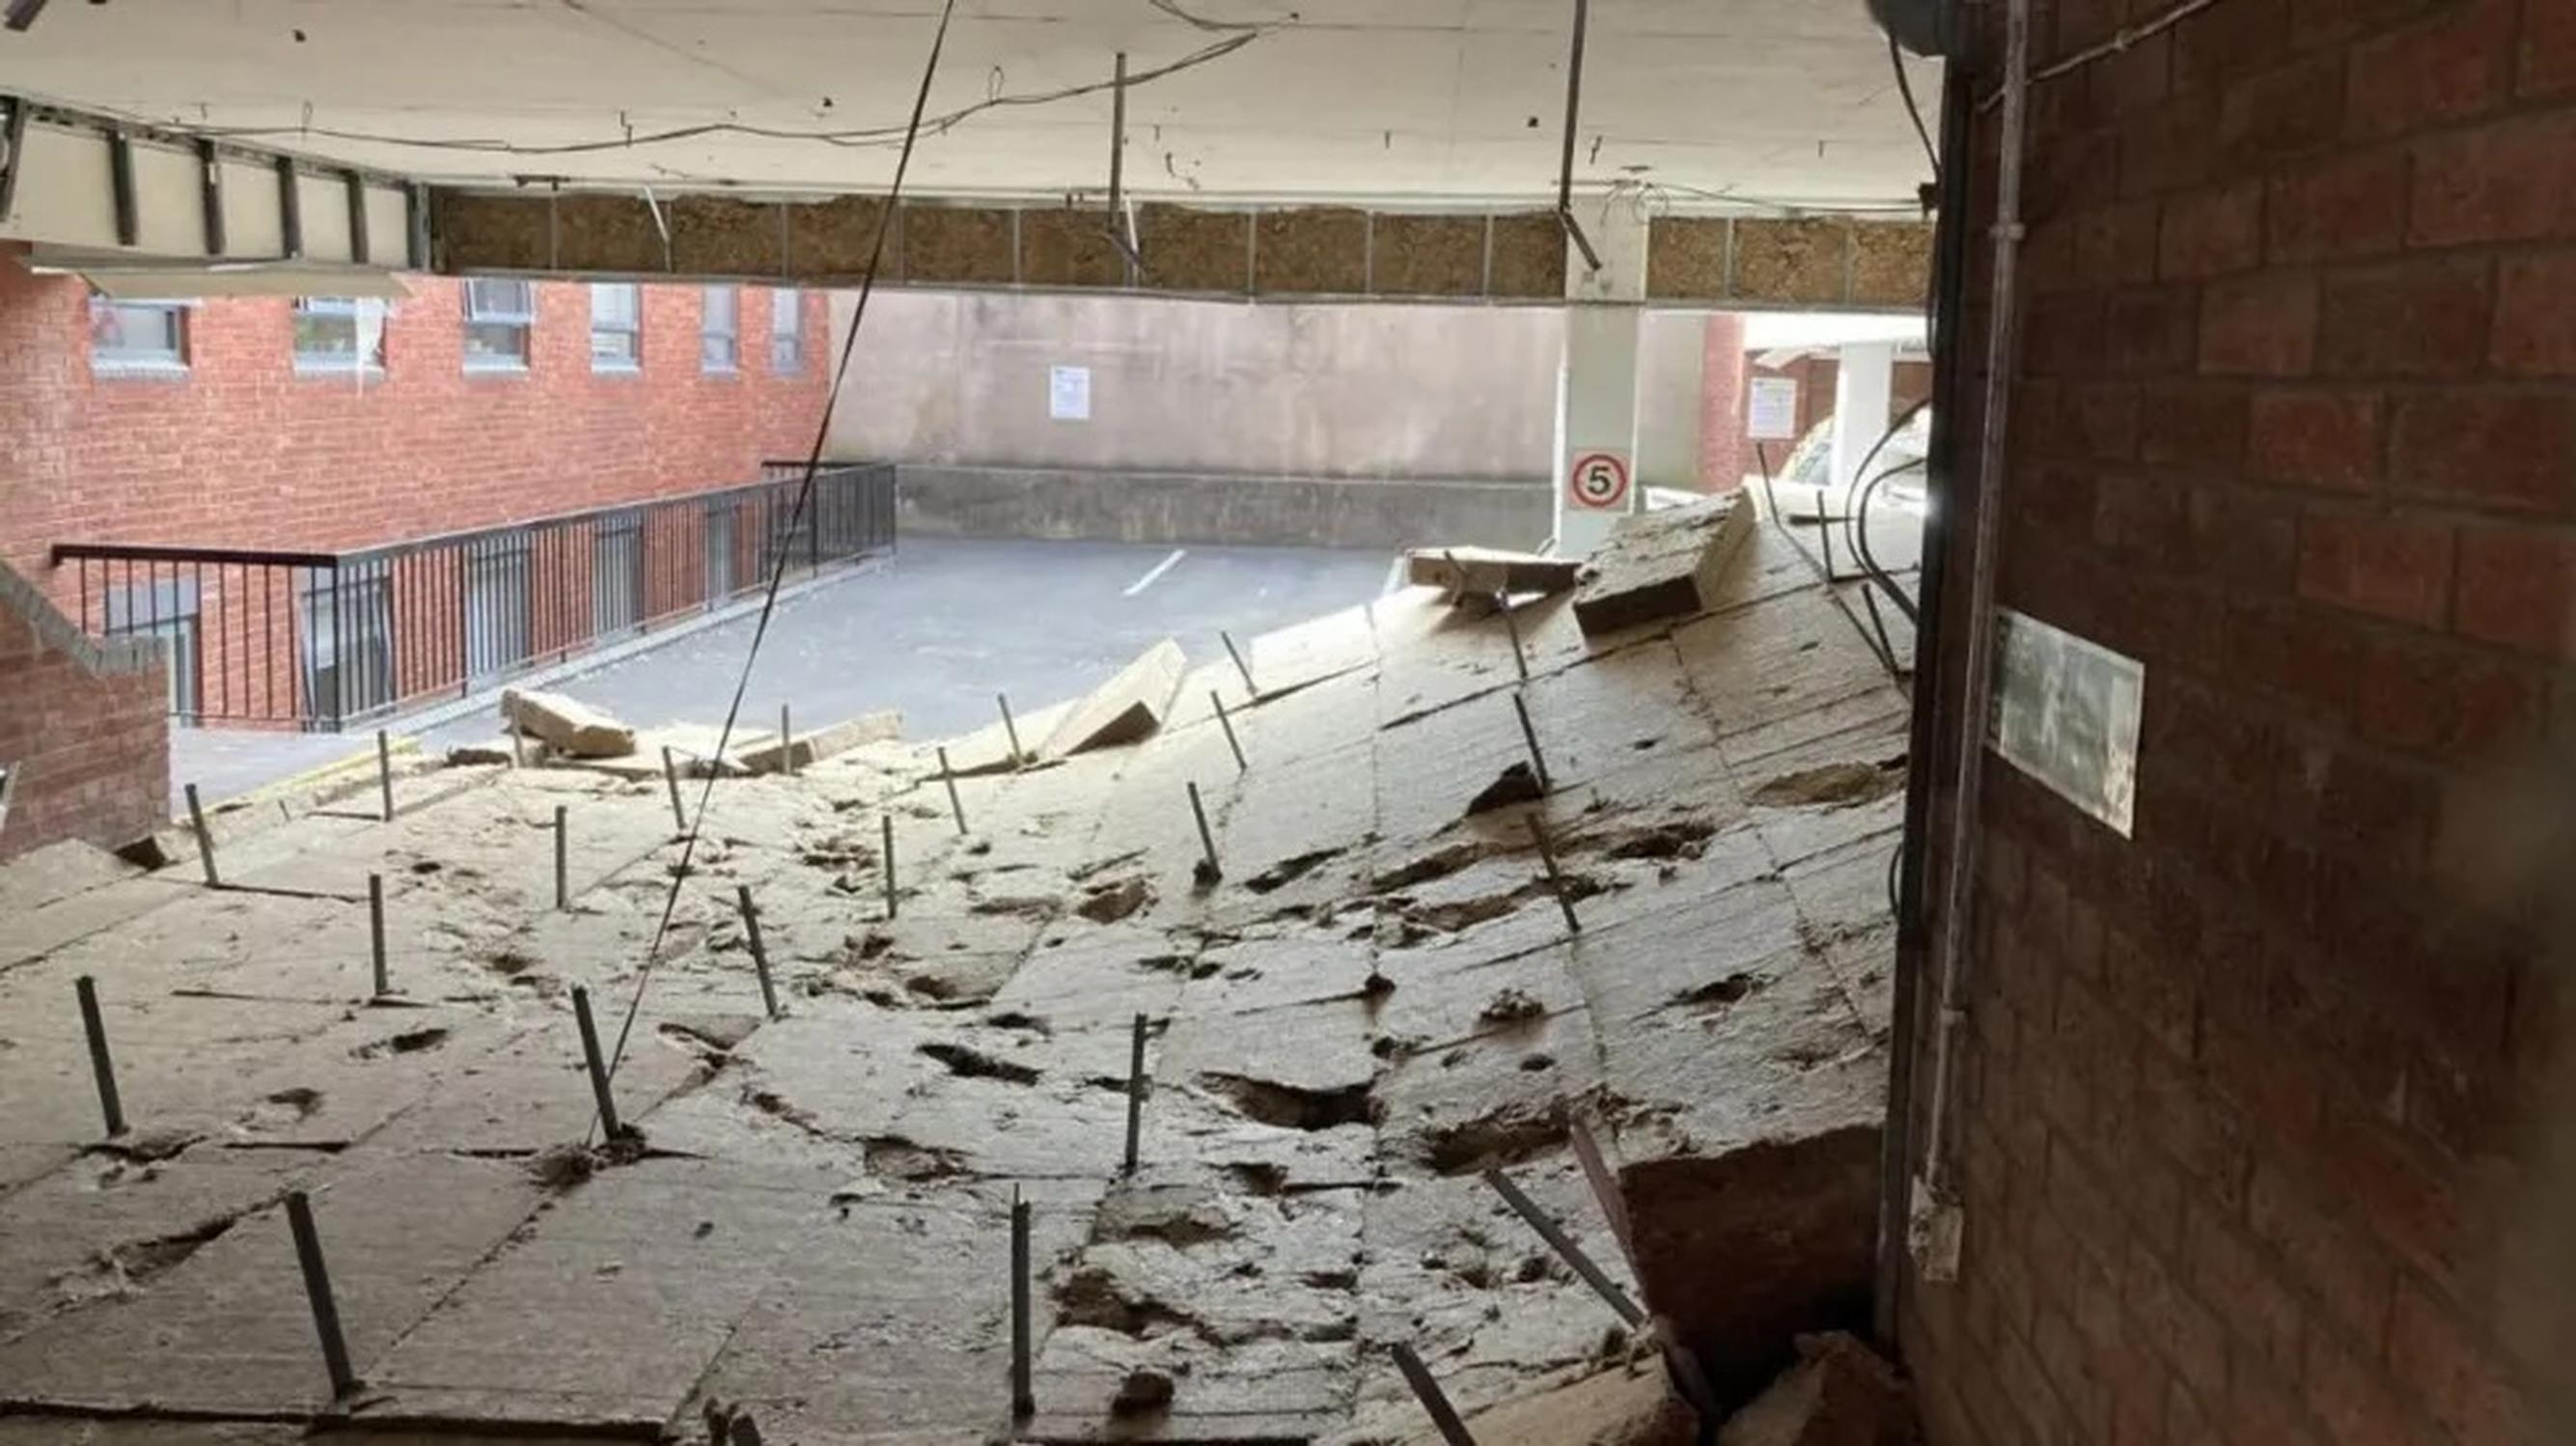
1380 1000
1488 570
1660 565
566 725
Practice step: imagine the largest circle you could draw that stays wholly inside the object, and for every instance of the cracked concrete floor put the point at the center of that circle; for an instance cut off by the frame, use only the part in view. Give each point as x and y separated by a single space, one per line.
1378 1000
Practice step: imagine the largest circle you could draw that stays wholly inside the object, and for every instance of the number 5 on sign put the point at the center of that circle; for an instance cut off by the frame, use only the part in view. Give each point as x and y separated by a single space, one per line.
1598 480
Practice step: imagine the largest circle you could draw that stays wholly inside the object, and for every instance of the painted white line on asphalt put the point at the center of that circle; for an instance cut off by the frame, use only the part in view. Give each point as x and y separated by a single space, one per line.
1149 579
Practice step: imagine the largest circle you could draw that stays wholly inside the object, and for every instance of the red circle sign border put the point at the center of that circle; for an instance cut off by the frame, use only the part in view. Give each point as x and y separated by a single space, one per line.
1574 486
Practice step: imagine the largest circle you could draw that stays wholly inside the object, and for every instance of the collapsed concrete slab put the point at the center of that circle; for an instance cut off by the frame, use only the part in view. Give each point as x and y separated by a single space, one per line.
1489 570
1661 565
1126 709
804 750
565 724
1380 999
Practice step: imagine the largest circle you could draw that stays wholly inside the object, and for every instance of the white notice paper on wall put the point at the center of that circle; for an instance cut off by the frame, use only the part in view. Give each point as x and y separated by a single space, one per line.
1771 409
1069 394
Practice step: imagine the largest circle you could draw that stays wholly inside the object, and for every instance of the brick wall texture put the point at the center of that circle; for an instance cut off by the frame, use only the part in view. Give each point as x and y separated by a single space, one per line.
89 745
246 451
2249 1107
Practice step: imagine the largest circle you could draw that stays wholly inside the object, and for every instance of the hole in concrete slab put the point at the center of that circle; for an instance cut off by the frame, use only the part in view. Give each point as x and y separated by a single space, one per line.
1290 870
119 1269
1719 993
1018 906
1259 1177
410 1041
1015 1019
1096 1297
1679 839
1437 864
509 961
897 1158
1516 784
1511 1006
1834 785
1536 1062
969 1063
1293 1108
426 866
1111 902
280 1109
1502 1136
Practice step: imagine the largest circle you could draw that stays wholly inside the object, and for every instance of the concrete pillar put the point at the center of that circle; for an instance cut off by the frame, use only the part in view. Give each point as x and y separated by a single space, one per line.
1596 388
1723 458
1864 380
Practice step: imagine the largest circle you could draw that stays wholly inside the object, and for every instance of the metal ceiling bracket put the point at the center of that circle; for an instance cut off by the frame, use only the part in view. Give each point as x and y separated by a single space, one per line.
11 163
290 209
120 180
418 229
357 216
210 195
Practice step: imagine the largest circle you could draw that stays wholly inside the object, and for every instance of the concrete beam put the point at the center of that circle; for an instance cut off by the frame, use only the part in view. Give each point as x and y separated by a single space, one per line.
132 194
1303 252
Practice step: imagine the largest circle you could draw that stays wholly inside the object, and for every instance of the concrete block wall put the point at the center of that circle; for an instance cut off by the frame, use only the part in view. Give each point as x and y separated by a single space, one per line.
81 728
2248 1115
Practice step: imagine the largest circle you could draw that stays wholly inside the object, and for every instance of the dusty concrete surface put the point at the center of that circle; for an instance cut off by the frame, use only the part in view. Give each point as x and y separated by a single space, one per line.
1379 1000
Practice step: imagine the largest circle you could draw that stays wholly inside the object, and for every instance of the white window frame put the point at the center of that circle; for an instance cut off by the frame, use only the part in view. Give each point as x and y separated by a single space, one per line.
354 310
171 361
630 328
727 360
479 312
786 331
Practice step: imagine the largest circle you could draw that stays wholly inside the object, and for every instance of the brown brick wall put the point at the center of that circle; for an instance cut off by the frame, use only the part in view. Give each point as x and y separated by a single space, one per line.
2245 1104
86 738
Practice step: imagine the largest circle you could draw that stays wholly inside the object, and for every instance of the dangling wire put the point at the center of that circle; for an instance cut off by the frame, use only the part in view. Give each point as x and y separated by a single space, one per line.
795 519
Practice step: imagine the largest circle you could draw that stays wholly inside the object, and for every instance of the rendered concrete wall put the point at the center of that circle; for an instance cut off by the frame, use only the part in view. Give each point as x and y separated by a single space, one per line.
1190 386
1201 391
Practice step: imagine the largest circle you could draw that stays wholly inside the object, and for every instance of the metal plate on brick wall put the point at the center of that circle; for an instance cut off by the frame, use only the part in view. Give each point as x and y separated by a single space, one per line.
2066 713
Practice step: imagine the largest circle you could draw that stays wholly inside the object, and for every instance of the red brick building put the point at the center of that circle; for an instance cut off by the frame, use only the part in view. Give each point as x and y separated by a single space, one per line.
328 425
2258 1116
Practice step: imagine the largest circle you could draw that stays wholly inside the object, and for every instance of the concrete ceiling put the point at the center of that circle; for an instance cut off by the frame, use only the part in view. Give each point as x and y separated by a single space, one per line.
1427 102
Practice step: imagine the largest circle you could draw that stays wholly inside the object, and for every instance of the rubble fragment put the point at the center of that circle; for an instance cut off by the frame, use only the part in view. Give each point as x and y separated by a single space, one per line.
1126 709
1486 570
1660 565
566 725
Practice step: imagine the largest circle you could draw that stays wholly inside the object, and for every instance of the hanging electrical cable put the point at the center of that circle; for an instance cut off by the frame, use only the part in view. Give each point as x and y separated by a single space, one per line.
1913 109
857 137
795 519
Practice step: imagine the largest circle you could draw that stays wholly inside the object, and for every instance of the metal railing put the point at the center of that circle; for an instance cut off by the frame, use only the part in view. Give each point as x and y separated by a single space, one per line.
320 640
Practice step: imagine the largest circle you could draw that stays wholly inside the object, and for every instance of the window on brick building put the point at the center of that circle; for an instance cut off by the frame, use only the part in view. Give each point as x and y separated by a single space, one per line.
719 345
348 639
500 316
616 326
139 336
339 333
167 610
787 331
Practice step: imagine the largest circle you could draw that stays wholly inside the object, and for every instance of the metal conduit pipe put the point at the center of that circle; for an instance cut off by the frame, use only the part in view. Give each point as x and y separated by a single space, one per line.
1935 731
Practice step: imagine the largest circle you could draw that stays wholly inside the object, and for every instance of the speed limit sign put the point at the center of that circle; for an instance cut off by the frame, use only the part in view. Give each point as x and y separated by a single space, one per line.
1598 480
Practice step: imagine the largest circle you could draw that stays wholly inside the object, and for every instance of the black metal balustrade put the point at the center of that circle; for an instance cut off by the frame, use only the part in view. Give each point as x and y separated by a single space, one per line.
320 641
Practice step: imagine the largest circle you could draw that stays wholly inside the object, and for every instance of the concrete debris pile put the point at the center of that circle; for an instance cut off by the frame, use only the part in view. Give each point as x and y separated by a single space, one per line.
911 1022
